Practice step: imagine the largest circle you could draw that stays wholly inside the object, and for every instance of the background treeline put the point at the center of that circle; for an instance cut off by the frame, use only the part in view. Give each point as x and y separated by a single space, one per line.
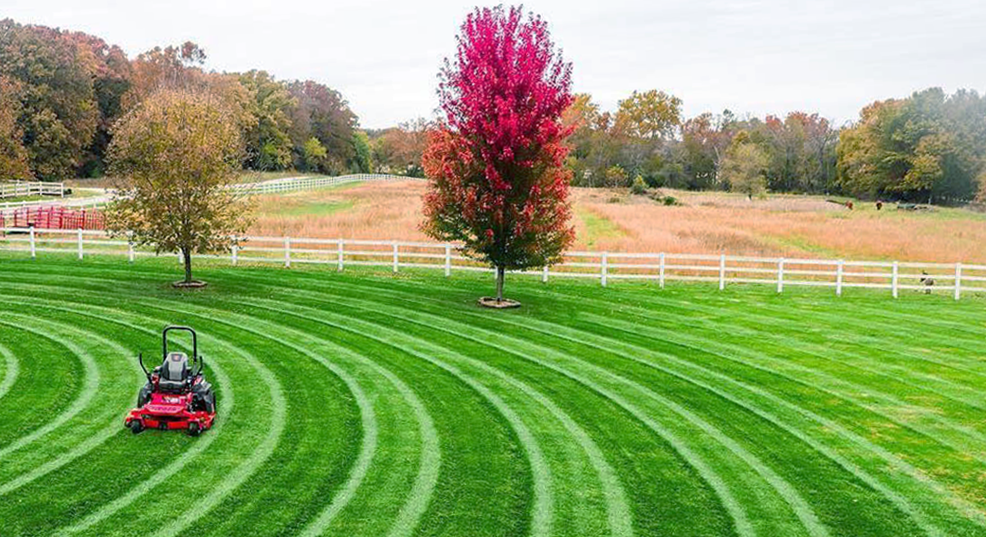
926 147
647 137
62 91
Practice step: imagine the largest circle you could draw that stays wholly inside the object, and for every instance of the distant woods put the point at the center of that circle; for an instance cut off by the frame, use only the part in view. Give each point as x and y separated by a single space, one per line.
929 147
61 93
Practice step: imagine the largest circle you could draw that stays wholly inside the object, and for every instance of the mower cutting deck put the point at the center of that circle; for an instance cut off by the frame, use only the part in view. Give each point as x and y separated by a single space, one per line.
174 397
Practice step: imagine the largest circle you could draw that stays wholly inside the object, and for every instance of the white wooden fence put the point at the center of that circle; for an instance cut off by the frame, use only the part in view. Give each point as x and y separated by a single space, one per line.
275 186
81 203
295 184
31 188
722 270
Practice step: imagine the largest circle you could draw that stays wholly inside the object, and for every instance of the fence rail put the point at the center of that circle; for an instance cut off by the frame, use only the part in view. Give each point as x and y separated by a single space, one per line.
723 270
275 186
295 184
31 188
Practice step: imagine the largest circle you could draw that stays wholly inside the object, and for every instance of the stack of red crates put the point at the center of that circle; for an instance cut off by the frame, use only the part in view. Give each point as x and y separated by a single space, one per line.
54 218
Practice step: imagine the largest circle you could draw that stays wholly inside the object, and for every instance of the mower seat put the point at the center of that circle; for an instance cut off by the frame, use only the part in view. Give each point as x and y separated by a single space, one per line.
174 373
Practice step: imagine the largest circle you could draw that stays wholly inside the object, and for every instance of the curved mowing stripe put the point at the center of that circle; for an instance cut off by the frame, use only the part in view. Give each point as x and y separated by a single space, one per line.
91 442
10 370
431 458
541 522
618 511
88 391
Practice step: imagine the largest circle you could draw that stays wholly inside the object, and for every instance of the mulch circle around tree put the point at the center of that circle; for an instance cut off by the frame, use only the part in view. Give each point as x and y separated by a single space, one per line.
194 284
491 302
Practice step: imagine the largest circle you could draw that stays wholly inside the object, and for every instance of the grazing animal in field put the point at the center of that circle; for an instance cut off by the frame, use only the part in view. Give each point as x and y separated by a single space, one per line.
928 282
879 205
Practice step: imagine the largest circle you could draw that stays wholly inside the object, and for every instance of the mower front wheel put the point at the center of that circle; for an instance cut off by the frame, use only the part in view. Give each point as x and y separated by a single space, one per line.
136 426
194 429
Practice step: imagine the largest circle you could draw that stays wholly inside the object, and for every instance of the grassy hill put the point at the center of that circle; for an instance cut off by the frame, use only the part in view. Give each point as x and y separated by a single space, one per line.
373 404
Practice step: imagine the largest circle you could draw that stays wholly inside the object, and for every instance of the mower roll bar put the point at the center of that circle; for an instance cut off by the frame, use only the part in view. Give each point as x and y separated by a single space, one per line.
164 349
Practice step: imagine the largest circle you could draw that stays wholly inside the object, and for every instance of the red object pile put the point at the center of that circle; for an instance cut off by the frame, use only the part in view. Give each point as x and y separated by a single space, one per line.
54 218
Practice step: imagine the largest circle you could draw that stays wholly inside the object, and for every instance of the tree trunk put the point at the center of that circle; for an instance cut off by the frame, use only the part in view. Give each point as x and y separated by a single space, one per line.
187 255
499 283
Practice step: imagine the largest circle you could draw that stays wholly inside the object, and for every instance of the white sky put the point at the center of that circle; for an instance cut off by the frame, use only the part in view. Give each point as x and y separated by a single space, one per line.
751 56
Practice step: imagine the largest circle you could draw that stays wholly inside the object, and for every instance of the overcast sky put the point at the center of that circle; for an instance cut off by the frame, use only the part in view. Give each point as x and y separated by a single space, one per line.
751 56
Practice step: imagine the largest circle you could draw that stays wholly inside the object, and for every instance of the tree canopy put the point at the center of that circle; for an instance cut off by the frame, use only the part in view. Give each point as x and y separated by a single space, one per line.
178 152
927 147
495 162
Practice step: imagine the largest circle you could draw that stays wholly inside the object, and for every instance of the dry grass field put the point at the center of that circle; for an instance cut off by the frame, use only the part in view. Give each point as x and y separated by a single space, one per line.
794 226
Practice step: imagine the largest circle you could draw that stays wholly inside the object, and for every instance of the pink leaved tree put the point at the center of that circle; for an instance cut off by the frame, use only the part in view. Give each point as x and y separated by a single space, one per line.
497 182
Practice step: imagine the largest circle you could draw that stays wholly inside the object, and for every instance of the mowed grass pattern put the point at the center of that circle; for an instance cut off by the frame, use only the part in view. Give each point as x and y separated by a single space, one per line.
373 404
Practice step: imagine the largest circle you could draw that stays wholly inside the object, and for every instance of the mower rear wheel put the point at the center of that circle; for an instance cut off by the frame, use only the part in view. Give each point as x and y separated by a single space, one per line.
136 426
194 429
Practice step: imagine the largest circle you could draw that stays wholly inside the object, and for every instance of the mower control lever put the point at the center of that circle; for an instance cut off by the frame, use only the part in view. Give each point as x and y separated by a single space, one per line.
140 358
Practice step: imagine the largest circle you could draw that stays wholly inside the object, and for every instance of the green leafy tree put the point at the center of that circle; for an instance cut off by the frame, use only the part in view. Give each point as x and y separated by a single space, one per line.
650 114
313 154
178 152
745 167
268 143
362 160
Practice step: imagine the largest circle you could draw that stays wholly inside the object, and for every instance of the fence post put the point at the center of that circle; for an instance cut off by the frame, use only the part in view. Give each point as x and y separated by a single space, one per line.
958 280
130 250
544 274
395 257
235 251
893 281
341 254
34 253
722 272
287 252
604 268
448 260
780 276
660 274
79 240
838 279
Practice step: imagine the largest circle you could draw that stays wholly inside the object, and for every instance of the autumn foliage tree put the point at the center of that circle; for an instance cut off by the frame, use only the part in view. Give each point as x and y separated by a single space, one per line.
178 152
497 181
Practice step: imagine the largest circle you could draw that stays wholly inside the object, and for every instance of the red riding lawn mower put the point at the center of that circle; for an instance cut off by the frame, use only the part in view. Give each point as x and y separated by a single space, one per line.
176 395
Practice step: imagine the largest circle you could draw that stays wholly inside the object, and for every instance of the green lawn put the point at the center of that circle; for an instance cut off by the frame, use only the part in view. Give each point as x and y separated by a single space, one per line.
364 403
